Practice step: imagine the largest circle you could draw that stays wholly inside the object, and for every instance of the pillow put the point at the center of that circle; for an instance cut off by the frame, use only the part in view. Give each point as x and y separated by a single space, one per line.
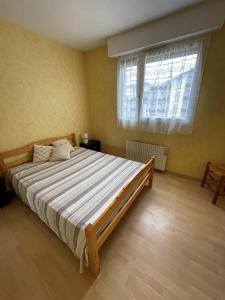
41 153
61 152
63 142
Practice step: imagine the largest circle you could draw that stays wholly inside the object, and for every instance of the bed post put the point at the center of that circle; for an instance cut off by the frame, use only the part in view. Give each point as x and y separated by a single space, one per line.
151 172
3 168
74 139
92 247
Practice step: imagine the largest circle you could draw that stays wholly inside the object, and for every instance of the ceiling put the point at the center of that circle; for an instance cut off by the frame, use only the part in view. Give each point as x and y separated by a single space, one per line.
85 24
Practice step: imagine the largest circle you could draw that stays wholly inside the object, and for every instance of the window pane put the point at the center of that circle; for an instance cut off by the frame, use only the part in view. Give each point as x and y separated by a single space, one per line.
128 90
167 86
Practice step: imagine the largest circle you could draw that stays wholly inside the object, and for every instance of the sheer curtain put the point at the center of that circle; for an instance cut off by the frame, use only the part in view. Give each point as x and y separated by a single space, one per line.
158 90
127 98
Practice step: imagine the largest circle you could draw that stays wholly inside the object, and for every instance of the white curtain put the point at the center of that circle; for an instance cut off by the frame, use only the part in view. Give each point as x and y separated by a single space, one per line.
127 98
165 89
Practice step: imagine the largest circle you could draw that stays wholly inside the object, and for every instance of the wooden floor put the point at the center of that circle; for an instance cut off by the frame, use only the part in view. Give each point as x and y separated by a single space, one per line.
170 245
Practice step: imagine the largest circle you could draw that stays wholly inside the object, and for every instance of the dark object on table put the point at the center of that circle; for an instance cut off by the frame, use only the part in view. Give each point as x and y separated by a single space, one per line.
4 197
92 145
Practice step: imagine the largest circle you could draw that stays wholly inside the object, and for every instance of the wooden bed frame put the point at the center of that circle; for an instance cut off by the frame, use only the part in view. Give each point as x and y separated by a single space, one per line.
94 242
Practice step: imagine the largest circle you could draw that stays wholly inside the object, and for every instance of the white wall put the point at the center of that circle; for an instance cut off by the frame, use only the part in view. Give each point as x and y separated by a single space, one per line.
203 17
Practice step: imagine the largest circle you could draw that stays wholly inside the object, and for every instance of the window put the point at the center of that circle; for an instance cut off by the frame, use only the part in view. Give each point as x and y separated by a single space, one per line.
167 87
128 89
158 90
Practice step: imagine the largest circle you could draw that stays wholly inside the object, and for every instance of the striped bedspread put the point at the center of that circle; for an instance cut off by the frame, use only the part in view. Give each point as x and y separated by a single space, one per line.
69 195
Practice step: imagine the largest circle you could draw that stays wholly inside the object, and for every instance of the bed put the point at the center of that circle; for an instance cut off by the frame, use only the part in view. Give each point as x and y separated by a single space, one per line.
81 199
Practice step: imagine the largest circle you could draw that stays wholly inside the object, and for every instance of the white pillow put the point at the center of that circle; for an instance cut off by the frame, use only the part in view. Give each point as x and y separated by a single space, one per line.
63 142
41 153
61 152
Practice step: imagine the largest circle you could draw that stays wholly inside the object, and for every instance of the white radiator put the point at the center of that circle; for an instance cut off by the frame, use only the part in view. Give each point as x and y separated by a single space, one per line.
142 152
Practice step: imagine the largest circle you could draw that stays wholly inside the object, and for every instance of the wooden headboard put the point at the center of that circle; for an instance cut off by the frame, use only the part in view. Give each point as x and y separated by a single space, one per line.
23 154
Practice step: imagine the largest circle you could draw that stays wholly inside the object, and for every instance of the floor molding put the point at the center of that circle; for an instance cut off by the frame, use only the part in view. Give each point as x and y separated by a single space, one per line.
183 176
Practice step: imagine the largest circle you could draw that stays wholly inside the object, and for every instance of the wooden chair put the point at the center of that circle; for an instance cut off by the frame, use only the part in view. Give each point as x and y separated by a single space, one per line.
216 174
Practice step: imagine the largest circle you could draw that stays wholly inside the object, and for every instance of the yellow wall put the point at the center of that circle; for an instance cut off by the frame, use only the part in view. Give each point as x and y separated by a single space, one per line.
42 88
187 154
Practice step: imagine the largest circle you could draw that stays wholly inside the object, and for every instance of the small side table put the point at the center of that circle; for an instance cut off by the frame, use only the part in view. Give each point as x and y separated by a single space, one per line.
92 145
4 196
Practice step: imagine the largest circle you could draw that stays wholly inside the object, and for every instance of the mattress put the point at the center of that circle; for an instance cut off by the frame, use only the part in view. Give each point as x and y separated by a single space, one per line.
68 195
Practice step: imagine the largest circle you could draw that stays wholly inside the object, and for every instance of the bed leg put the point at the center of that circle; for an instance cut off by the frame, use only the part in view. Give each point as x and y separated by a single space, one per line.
92 248
149 184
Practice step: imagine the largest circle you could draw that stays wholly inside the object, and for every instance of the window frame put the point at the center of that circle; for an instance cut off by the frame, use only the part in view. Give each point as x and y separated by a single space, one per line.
140 86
